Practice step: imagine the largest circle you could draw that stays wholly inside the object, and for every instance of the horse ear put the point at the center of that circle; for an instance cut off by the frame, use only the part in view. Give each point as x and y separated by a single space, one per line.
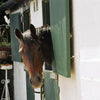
18 34
33 30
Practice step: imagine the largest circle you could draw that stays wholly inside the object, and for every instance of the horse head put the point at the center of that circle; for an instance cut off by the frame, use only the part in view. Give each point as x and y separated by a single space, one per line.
34 50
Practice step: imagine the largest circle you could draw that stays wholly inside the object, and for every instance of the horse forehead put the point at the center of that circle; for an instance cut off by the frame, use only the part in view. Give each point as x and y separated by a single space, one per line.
27 34
27 38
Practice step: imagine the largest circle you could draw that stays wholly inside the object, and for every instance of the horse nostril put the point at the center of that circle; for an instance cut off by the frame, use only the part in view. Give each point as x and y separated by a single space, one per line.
39 79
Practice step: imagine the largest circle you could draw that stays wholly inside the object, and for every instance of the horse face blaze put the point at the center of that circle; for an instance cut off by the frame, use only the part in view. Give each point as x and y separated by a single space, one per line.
32 60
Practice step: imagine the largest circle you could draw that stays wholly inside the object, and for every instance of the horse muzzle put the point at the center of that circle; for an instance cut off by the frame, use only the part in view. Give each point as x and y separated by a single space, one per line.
36 81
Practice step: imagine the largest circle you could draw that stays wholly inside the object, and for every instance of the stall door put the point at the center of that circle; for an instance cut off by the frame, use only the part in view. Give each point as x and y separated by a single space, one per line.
51 87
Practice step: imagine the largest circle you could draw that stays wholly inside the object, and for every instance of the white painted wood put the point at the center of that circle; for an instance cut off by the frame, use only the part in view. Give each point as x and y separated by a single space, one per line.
20 92
36 17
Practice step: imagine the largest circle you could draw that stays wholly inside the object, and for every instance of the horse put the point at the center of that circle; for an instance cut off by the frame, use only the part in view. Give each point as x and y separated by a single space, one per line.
35 49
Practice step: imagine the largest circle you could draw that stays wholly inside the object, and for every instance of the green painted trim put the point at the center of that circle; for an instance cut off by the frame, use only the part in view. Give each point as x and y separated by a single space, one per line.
51 88
30 91
60 29
15 22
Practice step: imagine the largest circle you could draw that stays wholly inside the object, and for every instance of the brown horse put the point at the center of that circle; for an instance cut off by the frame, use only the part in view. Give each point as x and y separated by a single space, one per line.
35 49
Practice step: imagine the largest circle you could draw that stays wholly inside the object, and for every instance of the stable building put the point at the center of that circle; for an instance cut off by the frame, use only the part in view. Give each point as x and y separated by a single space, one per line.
75 36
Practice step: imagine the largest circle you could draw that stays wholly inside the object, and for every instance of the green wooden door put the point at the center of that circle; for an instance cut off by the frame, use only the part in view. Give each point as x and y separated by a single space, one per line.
30 91
15 22
60 29
51 88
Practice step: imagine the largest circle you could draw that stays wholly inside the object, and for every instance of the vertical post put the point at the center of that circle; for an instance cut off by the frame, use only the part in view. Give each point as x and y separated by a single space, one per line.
6 94
41 94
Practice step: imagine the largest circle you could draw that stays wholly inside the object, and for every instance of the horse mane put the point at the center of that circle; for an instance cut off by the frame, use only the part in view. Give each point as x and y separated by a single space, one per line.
44 35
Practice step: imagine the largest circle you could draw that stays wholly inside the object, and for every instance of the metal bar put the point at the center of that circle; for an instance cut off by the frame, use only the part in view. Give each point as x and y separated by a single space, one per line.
6 91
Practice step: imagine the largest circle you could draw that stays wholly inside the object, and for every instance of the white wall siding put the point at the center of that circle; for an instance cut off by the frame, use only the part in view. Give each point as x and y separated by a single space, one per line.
36 16
20 92
68 88
86 26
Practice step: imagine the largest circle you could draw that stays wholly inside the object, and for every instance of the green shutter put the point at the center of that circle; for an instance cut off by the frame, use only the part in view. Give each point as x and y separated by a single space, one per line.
15 22
51 88
60 29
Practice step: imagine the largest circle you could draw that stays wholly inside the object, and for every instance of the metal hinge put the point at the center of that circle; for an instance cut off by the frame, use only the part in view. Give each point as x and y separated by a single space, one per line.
76 58
53 76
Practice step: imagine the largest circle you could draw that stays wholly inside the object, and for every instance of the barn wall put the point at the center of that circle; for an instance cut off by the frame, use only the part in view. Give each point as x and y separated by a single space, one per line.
69 87
36 15
87 28
20 92
85 81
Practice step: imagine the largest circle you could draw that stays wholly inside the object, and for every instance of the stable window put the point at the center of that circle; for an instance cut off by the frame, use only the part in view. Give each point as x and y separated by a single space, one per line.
57 14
